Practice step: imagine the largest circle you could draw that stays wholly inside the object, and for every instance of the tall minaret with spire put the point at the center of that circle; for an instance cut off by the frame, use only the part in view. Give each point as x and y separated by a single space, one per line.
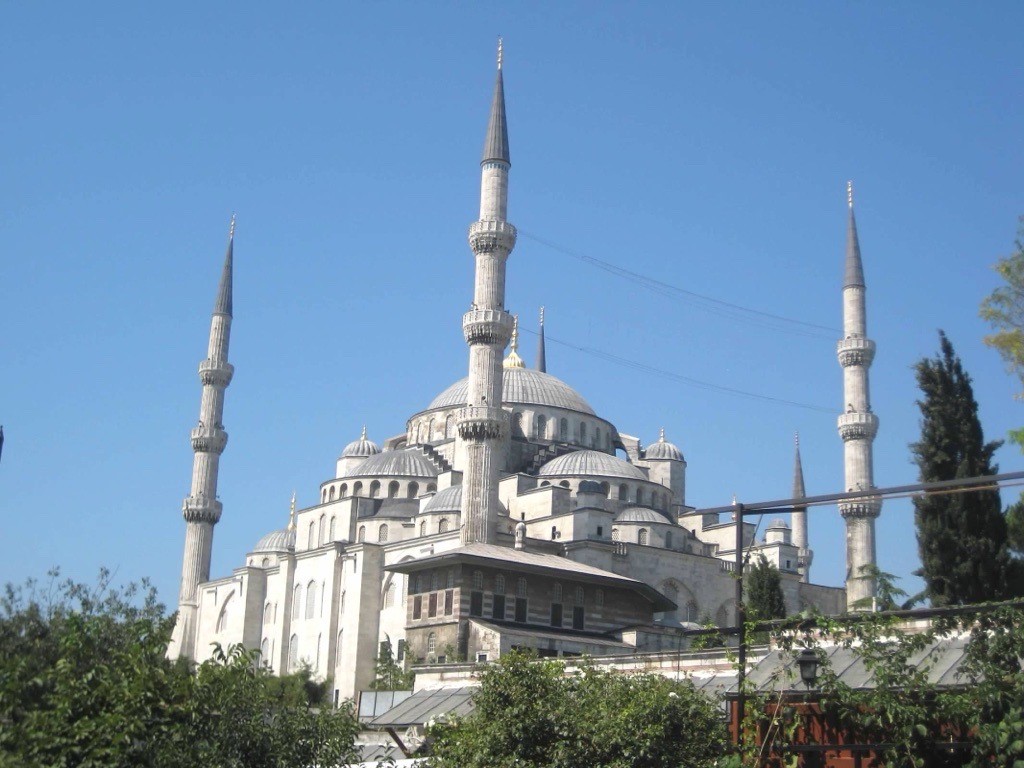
857 425
799 519
487 327
201 509
542 358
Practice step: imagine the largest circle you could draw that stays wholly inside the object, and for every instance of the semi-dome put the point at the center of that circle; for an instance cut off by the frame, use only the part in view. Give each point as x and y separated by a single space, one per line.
360 448
523 386
282 540
641 515
663 450
448 500
408 462
590 464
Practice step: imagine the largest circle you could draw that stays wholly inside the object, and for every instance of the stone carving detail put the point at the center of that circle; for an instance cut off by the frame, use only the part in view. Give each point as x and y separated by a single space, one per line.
858 426
855 351
215 373
488 237
209 439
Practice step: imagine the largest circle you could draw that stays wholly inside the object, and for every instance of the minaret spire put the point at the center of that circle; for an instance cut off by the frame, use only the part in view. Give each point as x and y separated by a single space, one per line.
799 517
857 424
483 424
201 508
514 360
542 358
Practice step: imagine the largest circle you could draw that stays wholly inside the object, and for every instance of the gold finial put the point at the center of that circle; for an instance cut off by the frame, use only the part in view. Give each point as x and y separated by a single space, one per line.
291 514
661 435
499 52
849 193
542 317
796 440
363 435
514 360
231 231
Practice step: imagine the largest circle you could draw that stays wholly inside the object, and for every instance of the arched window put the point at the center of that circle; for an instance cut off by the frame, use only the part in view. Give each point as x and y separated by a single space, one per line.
642 537
319 639
430 430
517 424
268 614
297 602
542 426
389 595
382 533
375 489
330 494
668 539
431 487
520 587
293 654
414 490
330 533
323 495
442 525
222 619
423 528
499 584
478 580
361 535
623 492
606 489
692 612
556 593
597 436
323 527
343 491
563 430
312 536
639 495
449 426
266 562
265 652
579 595
583 432
431 642
392 489
357 488
311 600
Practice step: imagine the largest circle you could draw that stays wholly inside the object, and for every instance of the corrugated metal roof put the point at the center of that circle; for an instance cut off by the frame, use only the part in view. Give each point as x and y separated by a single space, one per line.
427 705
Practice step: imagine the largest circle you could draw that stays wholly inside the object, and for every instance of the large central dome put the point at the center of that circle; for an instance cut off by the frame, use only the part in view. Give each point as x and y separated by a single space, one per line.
523 386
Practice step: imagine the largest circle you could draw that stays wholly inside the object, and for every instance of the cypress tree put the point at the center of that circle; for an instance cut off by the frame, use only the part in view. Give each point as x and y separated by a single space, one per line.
764 592
961 537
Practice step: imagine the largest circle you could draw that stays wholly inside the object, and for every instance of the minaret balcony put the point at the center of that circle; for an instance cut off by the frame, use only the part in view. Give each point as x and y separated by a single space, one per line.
217 373
491 236
487 326
858 426
864 507
855 351
480 422
209 439
201 509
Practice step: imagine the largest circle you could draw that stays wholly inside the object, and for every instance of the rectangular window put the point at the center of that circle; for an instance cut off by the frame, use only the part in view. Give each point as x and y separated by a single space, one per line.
556 614
481 657
401 651
577 617
432 605
449 600
476 603
417 607
521 610
600 531
498 608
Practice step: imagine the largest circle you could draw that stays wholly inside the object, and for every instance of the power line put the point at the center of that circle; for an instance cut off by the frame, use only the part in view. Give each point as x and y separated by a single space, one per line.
638 366
709 303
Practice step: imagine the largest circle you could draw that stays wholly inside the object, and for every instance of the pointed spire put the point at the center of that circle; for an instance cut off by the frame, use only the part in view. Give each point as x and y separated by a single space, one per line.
291 514
223 304
661 435
798 473
496 142
363 435
542 358
854 267
514 360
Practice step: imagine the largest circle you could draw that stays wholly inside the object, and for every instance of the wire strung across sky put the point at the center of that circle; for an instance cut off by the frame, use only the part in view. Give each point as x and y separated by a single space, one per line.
757 317
638 366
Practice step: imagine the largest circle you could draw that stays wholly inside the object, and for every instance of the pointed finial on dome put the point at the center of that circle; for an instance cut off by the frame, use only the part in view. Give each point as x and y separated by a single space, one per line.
796 440
542 357
363 435
291 514
231 230
849 193
500 51
661 435
514 360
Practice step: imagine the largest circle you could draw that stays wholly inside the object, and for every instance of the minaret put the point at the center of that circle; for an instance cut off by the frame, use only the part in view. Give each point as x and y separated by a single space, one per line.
482 424
799 519
201 509
857 425
542 358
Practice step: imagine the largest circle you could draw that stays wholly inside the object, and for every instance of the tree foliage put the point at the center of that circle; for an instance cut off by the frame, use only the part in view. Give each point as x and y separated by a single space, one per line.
530 713
1004 308
84 681
961 537
764 591
389 675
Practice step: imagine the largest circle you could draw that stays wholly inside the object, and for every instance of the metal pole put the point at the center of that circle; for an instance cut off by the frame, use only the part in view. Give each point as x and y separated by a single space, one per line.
741 624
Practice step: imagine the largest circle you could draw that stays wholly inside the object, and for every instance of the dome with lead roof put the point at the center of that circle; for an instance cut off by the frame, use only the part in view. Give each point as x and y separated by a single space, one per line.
663 450
590 464
450 500
282 540
408 462
522 386
641 515
360 448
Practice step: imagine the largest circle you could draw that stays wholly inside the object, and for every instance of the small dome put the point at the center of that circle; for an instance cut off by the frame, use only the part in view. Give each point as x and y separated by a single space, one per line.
591 464
282 540
408 462
448 500
778 523
641 515
360 448
663 450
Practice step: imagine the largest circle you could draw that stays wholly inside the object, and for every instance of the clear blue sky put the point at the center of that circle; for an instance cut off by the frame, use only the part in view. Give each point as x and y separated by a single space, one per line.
707 146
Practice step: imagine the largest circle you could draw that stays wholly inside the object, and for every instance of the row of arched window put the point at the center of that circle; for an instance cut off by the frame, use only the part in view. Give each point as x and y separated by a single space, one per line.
652 498
442 526
689 612
374 490
312 607
318 531
382 533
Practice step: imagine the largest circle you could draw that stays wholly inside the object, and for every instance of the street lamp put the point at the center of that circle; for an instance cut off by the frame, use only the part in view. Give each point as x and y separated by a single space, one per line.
807 660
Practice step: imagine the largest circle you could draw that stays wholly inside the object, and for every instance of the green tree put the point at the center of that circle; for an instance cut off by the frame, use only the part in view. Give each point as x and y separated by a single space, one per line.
961 537
389 675
764 591
1004 309
84 681
530 713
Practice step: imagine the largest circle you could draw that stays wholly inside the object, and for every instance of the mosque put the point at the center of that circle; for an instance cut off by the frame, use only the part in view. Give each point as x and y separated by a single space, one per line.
509 514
